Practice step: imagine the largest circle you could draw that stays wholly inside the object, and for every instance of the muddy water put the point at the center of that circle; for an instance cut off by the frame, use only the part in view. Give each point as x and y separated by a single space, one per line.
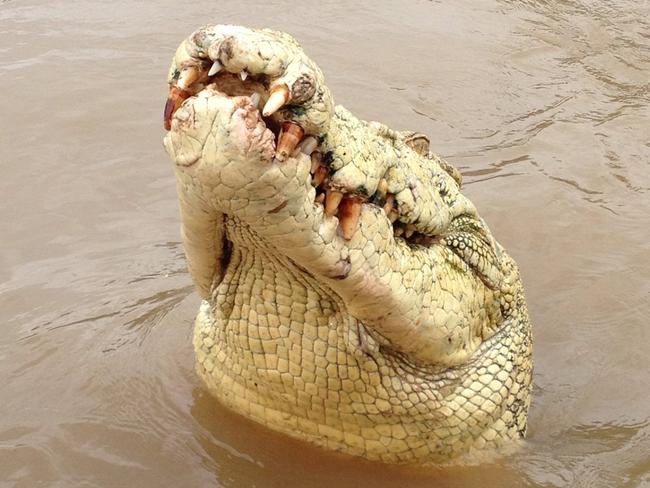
544 106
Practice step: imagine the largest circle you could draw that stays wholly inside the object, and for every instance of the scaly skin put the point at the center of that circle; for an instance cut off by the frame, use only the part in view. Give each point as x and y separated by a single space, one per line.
394 348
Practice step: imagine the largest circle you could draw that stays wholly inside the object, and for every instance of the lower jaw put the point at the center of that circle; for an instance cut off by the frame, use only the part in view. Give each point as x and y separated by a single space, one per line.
288 356
298 403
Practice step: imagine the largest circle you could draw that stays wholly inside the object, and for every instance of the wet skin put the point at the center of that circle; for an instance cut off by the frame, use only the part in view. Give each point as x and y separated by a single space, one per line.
353 297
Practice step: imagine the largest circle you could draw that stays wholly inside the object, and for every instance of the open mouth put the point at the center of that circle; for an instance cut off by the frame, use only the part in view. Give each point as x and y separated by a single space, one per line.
291 140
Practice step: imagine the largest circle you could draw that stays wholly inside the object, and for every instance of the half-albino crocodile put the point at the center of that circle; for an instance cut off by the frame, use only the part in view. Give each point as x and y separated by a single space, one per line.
352 296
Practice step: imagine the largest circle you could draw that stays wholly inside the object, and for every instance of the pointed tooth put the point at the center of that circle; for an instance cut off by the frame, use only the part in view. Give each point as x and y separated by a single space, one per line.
243 75
332 200
316 161
169 111
410 230
392 216
382 188
319 176
215 68
289 138
398 230
255 99
349 213
390 203
279 96
308 145
174 101
320 198
188 76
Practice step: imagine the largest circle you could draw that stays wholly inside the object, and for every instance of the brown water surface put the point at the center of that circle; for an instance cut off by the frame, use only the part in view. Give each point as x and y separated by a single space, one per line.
544 106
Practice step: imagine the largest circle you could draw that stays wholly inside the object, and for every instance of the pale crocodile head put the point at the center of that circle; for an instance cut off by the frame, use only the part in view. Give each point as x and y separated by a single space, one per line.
355 213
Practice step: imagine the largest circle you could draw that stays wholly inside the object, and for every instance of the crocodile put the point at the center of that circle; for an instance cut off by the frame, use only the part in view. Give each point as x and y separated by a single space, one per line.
352 297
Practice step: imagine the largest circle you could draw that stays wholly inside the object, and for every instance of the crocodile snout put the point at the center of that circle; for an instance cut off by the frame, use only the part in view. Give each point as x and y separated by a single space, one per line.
232 126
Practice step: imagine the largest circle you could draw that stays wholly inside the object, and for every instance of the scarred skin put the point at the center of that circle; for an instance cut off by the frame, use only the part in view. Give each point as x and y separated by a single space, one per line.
374 342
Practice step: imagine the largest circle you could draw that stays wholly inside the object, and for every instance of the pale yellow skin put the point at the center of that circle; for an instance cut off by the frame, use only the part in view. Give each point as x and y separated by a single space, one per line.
373 346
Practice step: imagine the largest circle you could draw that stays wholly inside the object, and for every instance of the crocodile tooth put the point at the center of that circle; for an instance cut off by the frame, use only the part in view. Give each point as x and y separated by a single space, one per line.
398 230
174 101
389 205
320 198
316 160
308 145
332 200
319 176
243 75
410 230
255 99
349 213
382 188
393 216
289 138
169 111
279 96
187 77
215 68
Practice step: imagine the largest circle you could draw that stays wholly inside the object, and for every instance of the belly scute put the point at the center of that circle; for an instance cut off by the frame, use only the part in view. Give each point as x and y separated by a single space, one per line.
353 296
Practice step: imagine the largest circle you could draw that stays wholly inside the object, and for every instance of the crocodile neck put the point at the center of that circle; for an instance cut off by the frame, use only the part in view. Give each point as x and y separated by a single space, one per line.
279 347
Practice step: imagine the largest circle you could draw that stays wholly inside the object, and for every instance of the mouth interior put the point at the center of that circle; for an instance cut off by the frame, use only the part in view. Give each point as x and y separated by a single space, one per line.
254 87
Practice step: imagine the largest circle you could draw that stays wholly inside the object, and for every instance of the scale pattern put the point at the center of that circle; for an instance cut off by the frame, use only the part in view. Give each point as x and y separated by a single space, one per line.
404 340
